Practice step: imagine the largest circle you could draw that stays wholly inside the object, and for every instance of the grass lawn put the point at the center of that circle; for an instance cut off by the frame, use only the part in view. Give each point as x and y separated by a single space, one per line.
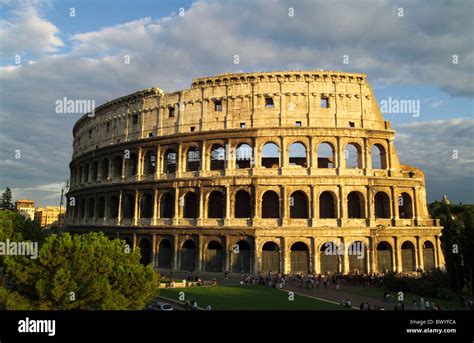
377 293
247 297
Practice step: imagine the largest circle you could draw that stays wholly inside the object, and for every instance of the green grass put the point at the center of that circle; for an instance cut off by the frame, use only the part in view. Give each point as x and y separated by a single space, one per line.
377 293
247 298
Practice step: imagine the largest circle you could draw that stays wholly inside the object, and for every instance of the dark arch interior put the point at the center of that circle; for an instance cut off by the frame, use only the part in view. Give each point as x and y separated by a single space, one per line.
243 204
270 205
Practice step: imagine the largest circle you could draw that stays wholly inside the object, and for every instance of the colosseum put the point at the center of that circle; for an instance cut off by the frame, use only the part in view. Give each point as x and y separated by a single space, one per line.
292 171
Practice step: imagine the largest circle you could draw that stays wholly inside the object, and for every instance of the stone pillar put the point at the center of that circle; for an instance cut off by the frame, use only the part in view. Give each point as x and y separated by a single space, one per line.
365 159
284 153
342 201
314 206
394 203
124 166
119 215
315 251
339 151
373 255
200 254
158 165
283 256
228 254
439 260
110 172
345 257
154 263
136 214
176 252
177 214
139 163
227 205
256 259
419 254
284 207
180 161
397 256
201 206
155 205
204 158
370 205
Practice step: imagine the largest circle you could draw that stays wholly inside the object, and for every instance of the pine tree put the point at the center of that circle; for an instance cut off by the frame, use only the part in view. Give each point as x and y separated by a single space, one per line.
6 200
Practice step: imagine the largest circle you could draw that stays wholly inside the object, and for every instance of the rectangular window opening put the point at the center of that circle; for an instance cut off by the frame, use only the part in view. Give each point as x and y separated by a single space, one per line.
324 102
269 102
170 112
218 105
242 125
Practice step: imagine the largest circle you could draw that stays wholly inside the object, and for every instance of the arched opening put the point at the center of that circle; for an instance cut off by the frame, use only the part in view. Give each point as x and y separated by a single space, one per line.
270 205
243 156
193 159
117 166
357 258
149 165
298 155
86 173
132 163
299 258
329 257
384 257
95 171
299 205
82 208
217 157
190 205
169 160
405 206
408 257
270 156
146 206
145 251
113 207
165 254
353 156
104 169
241 257
382 205
80 174
270 257
327 205
216 205
167 205
90 208
101 207
428 256
214 257
355 205
128 206
188 256
325 155
379 157
243 204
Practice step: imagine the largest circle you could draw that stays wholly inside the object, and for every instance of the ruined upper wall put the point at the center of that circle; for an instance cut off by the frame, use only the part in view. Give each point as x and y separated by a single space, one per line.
231 101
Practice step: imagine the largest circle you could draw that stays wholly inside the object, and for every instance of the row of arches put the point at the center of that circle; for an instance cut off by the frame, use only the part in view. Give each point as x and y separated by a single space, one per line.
299 205
127 165
243 257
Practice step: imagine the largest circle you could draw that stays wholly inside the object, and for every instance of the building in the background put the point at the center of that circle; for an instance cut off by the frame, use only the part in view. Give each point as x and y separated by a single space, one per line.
26 208
50 216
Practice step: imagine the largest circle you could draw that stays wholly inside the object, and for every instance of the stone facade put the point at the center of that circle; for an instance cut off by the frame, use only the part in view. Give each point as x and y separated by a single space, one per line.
253 172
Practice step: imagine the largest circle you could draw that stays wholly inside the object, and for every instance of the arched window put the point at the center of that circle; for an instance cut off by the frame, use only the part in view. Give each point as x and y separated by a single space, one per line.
428 256
327 205
379 157
193 159
101 207
214 257
95 171
167 205
408 257
217 157
299 205
190 205
117 166
270 257
90 208
299 258
165 254
243 204
216 205
270 205
241 258
128 206
353 156
79 175
270 156
357 257
149 166
298 155
382 205
146 206
329 258
132 163
104 169
243 156
86 173
325 155
405 206
145 251
384 257
113 207
355 205
169 161
188 255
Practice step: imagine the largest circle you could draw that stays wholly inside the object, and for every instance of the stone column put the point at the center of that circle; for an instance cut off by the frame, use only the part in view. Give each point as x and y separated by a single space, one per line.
397 257
283 256
228 254
394 203
339 151
315 257
284 153
110 172
136 213
119 215
204 158
227 206
139 163
366 152
200 254
345 257
158 165
201 206
153 251
373 255
419 254
176 252
180 161
155 205
176 214
438 253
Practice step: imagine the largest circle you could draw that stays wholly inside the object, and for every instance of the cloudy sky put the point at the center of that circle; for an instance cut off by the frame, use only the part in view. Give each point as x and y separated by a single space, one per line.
410 50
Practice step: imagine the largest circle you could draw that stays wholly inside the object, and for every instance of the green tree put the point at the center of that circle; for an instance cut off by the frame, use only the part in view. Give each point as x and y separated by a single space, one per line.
6 199
87 271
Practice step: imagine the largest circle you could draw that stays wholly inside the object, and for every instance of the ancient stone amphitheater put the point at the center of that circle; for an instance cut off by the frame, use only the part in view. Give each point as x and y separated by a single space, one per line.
292 171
